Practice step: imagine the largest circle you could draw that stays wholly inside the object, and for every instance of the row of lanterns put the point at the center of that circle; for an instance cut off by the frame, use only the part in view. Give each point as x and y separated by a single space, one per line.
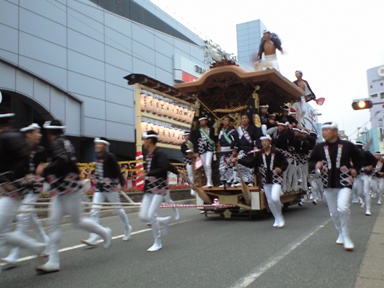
166 135
164 108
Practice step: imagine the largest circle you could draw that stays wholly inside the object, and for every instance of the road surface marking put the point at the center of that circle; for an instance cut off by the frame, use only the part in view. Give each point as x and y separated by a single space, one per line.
100 241
259 270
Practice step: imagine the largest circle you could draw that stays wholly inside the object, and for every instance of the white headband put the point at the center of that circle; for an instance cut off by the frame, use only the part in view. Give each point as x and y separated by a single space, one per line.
98 140
33 126
185 133
283 124
264 106
296 129
189 151
331 125
267 137
47 125
7 115
203 118
146 136
304 131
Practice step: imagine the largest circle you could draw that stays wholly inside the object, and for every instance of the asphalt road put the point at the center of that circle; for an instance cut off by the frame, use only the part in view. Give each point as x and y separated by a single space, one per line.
212 252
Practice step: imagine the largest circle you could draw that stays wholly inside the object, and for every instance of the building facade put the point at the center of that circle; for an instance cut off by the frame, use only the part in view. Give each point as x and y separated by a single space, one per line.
66 59
375 78
248 41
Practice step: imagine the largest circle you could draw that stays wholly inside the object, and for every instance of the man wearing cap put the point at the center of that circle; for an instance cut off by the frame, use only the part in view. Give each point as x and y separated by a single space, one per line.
228 138
36 164
286 143
338 160
62 174
249 142
108 182
269 43
270 164
187 150
365 177
155 187
203 140
285 117
304 85
14 181
378 180
264 114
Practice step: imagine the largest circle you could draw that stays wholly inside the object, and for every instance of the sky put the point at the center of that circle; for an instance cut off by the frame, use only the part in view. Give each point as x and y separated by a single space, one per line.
334 43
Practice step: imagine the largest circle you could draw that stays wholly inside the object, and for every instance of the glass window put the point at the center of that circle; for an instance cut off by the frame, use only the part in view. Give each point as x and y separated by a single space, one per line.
373 95
382 95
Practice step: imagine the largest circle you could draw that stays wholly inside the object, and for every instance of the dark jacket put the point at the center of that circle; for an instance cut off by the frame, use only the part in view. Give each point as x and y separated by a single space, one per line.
309 87
199 145
267 174
276 41
368 160
157 168
108 173
331 175
14 157
232 135
254 133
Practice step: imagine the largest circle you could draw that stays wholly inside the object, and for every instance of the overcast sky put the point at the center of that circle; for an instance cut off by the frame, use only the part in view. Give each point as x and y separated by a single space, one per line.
332 42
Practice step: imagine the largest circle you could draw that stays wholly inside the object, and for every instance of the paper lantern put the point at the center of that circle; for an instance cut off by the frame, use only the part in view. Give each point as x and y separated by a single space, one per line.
144 126
161 133
185 115
161 108
167 138
177 113
144 102
174 136
152 105
171 111
167 112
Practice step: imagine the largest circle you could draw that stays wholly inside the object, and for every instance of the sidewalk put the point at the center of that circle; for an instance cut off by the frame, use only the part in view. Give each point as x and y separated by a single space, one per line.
371 272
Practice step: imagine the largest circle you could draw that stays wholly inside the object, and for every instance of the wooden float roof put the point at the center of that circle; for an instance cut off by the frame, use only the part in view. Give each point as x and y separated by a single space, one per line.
230 81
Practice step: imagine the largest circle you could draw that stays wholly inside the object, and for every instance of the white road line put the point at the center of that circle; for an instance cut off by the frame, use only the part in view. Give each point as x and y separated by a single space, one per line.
273 260
83 245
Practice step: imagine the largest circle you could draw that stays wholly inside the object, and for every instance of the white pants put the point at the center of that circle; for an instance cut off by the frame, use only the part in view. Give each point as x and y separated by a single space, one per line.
269 62
112 197
338 201
315 188
303 168
69 204
26 220
300 109
290 176
366 179
273 192
149 211
378 187
207 161
8 210
190 176
357 189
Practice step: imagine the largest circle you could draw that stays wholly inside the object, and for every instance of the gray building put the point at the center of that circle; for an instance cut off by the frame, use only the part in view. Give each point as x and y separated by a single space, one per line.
248 41
66 59
375 77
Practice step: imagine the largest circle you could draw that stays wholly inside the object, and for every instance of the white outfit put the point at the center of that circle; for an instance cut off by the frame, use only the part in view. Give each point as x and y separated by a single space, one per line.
112 197
190 176
25 220
378 188
338 204
300 108
269 62
8 210
69 204
273 192
290 176
207 162
148 213
366 179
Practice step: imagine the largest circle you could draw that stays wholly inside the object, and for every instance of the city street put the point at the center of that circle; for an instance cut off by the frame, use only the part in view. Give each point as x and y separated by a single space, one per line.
213 252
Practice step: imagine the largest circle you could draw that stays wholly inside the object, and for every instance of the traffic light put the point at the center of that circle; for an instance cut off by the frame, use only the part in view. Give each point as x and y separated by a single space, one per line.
362 104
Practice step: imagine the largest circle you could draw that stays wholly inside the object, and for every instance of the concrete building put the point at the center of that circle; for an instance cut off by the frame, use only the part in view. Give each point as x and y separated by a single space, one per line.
375 78
66 59
248 41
